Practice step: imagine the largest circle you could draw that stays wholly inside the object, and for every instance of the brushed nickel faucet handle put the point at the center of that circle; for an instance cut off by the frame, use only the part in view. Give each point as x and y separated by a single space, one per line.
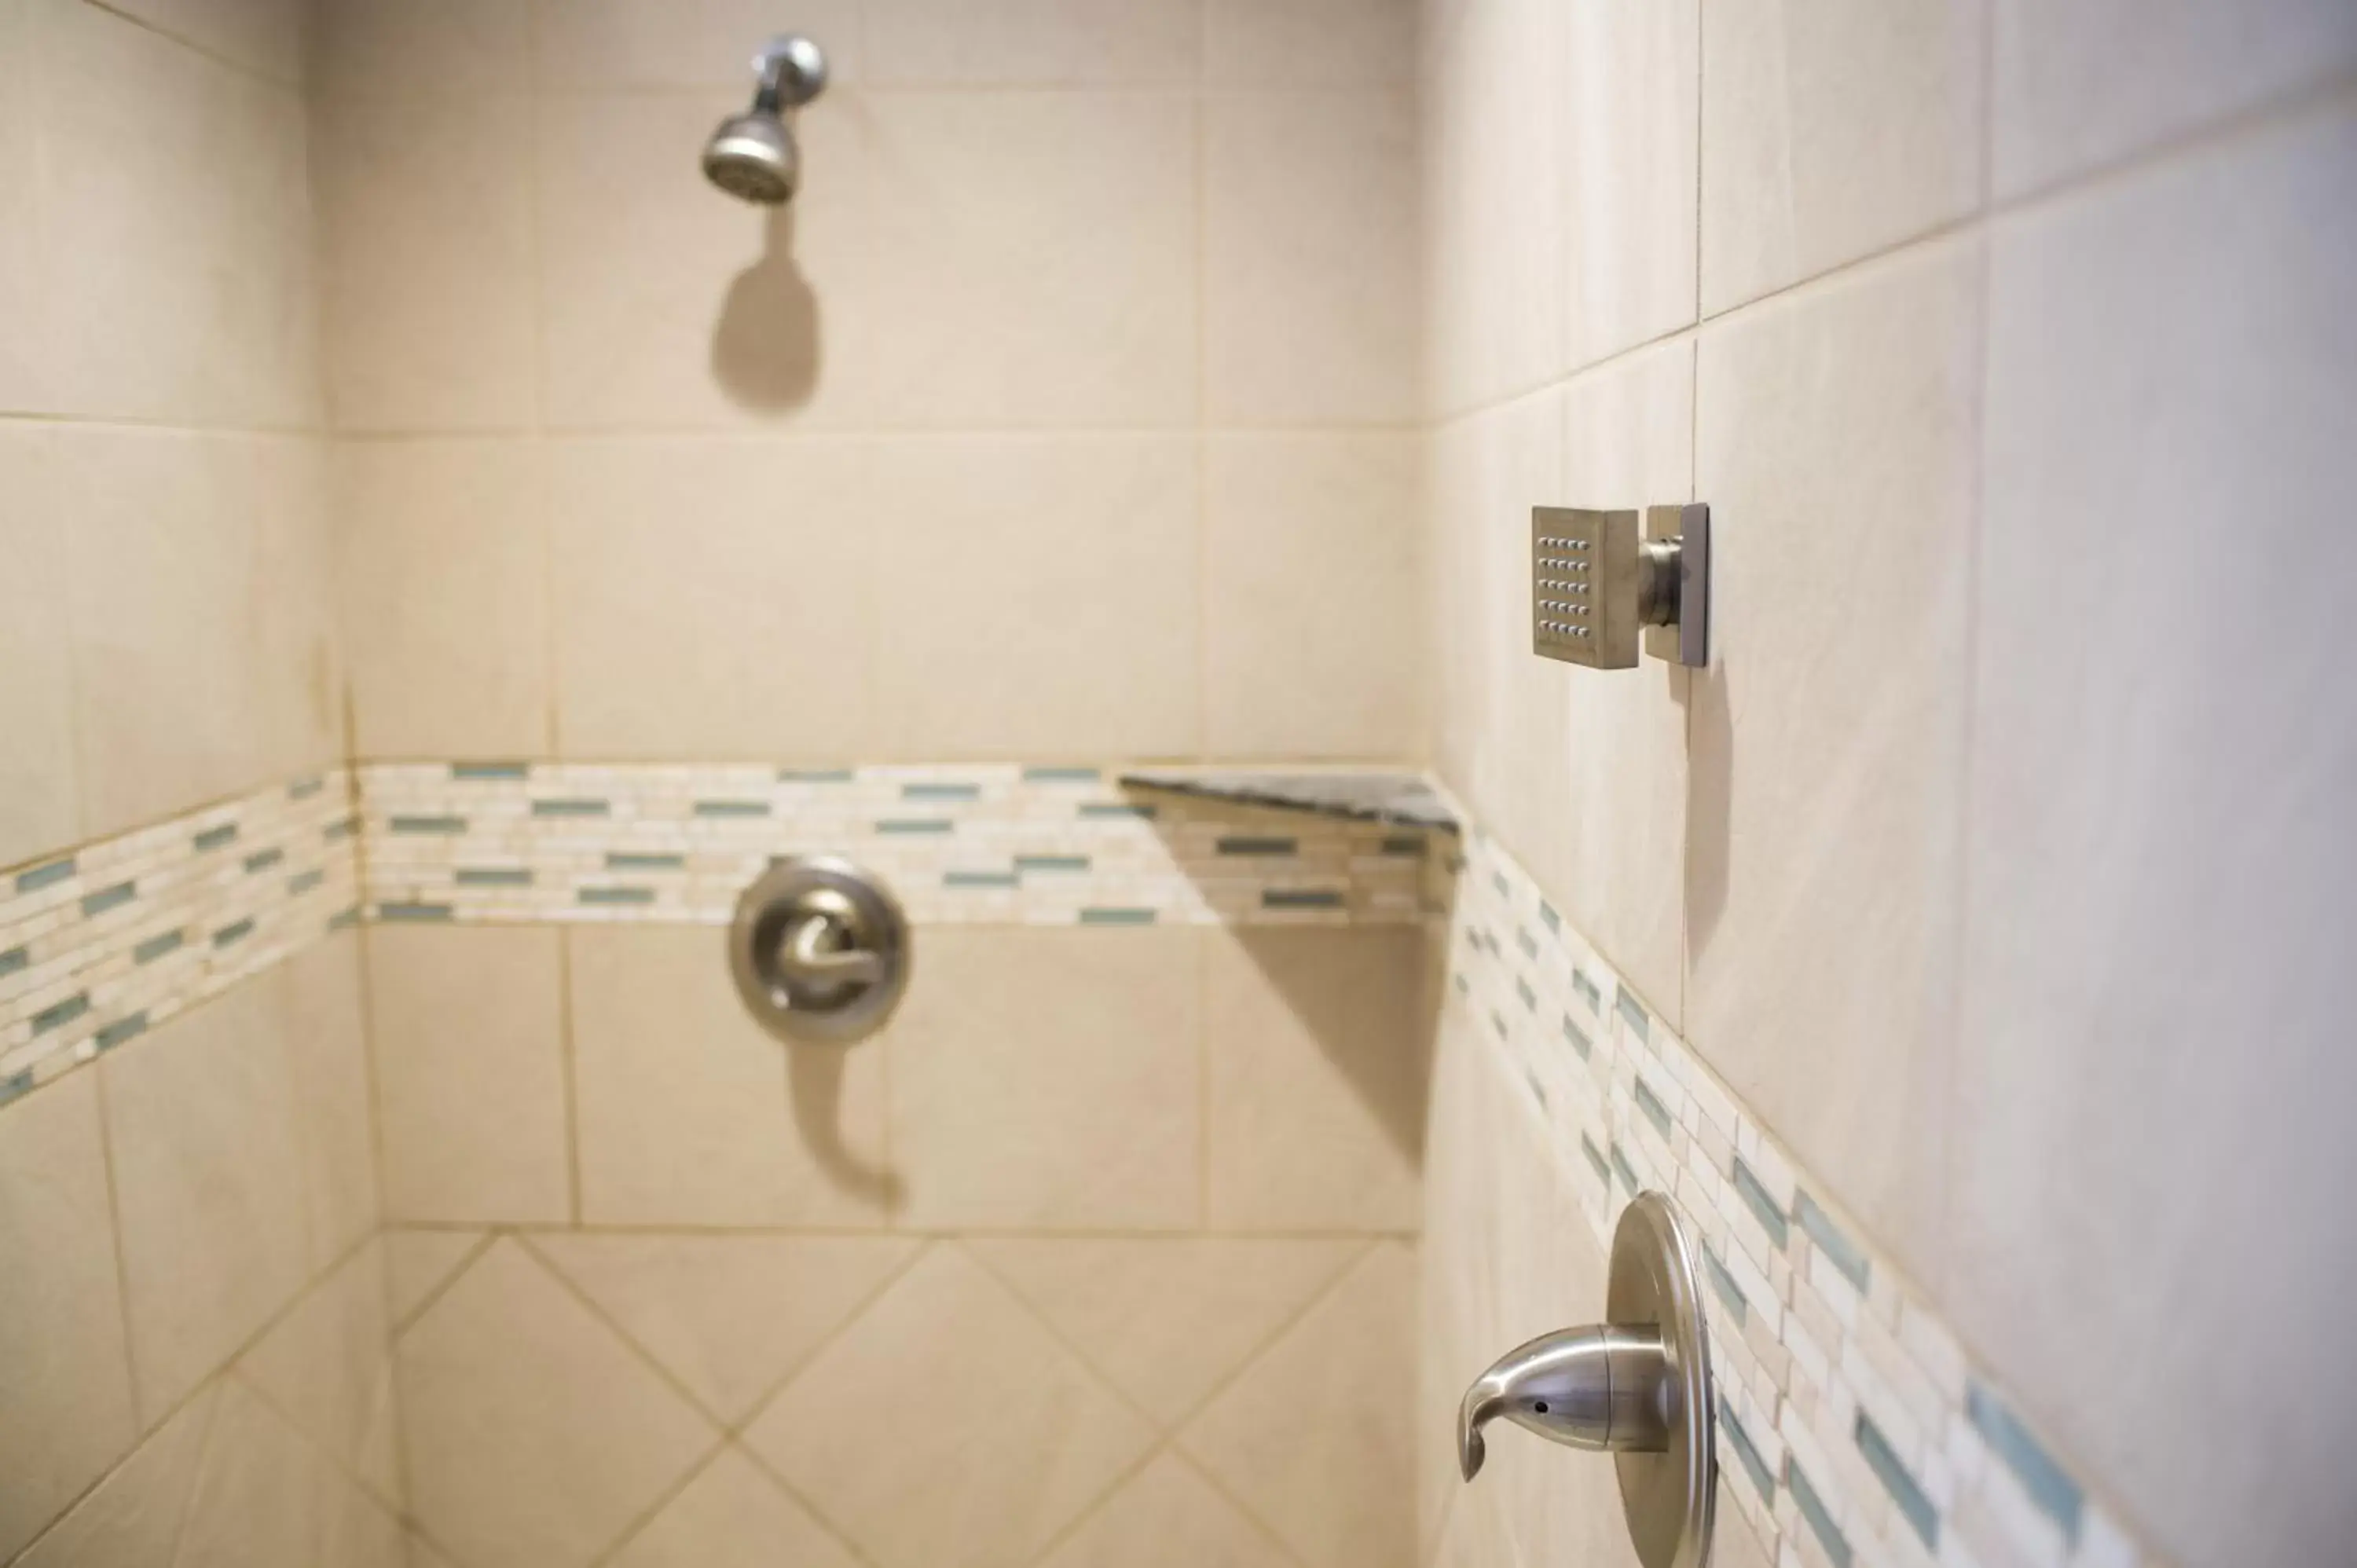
1637 1386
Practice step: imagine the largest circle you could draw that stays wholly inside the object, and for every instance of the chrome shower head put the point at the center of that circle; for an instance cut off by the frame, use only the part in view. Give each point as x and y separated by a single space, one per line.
752 155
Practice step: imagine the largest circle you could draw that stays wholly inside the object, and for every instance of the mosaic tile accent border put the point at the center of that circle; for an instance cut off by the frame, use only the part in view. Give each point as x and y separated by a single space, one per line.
1042 845
1855 1431
101 944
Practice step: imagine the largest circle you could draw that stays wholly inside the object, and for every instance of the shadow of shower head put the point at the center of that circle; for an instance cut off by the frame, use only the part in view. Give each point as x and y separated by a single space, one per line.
752 155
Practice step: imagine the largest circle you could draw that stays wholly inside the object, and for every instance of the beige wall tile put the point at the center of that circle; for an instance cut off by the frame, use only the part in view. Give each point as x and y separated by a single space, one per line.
1317 1043
65 1380
267 1500
1495 212
1041 596
23 357
733 1516
1831 129
729 1316
1310 258
225 332
1300 43
327 1367
1311 558
1032 43
533 1437
2159 860
444 560
606 43
421 48
132 1519
1168 1517
1836 444
427 271
1167 1321
1317 1448
1073 306
466 1027
326 1034
208 1186
40 807
1017 1439
297 685
263 36
419 1262
736 571
1049 1079
690 1114
665 305
1633 72
2082 82
1619 783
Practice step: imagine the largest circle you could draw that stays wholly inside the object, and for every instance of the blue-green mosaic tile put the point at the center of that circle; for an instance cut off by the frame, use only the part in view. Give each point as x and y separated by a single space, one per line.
493 876
1046 863
915 826
1062 775
1498 881
122 1029
1498 1022
215 838
232 934
1588 991
1538 1090
814 774
304 788
2049 1486
1405 846
1628 1007
571 807
1110 810
262 860
1528 944
1464 987
1839 1250
732 808
980 879
1730 1294
1603 1171
105 898
340 828
1763 1207
485 773
617 895
424 827
422 913
1299 898
623 860
1747 1451
1117 916
41 876
1244 844
1650 1104
345 919
15 1086
1578 1038
1549 919
1913 1505
1628 1172
13 960
157 946
927 790
57 1015
1812 1508
1530 998
302 882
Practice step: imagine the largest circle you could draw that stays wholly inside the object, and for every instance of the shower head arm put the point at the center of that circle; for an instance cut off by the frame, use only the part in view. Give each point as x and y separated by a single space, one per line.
792 71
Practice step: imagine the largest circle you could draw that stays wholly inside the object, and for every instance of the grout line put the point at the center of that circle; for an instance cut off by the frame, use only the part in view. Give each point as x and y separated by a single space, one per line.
294 86
403 1322
569 1068
654 1510
114 1236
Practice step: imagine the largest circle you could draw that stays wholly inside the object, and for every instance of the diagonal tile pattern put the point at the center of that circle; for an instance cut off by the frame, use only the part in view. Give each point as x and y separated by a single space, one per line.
327 1366
534 1436
733 1516
946 1428
729 1316
1167 1516
1314 1436
1167 1321
418 1263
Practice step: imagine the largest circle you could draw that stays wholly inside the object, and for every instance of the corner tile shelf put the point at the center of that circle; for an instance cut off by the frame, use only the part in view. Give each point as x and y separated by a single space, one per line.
1402 800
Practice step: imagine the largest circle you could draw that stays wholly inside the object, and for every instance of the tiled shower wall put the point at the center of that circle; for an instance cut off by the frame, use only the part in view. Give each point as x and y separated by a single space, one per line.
189 1321
1995 864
